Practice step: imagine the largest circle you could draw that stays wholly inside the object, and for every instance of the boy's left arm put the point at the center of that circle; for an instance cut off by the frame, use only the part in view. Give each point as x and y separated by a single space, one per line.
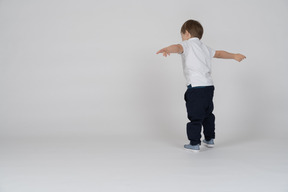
226 55
176 48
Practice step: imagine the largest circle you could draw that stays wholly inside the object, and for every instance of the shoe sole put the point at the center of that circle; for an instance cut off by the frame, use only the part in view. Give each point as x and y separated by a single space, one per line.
193 150
209 145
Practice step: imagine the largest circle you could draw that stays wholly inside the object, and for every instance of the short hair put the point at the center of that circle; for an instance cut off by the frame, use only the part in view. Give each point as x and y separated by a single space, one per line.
193 27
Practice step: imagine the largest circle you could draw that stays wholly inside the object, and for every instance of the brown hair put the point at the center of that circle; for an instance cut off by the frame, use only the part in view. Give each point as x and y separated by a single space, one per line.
193 27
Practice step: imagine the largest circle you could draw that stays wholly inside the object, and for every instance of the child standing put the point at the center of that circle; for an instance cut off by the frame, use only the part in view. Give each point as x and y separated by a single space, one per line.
196 62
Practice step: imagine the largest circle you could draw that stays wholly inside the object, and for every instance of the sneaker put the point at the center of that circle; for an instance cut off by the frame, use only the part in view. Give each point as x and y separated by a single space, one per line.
209 143
194 148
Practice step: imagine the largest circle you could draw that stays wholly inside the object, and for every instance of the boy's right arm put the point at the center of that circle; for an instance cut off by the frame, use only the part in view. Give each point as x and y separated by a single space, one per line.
226 55
176 48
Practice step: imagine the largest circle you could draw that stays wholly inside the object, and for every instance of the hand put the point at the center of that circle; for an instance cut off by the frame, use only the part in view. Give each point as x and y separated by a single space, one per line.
164 51
239 57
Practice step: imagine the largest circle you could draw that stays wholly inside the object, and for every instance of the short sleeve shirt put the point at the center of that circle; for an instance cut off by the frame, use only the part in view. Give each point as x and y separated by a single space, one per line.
196 62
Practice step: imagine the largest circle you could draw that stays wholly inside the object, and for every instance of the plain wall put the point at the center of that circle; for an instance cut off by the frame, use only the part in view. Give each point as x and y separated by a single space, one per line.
89 67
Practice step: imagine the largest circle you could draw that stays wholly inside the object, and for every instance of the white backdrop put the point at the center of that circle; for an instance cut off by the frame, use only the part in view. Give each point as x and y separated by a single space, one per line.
89 67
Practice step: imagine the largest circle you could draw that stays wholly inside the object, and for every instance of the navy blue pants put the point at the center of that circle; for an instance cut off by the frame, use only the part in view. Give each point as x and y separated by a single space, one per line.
199 105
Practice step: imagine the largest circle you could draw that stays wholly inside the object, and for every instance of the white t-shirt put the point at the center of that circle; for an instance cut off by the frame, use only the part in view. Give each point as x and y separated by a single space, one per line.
196 61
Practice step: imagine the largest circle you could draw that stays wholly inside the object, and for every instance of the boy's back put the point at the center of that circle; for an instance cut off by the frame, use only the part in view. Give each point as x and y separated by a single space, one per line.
196 61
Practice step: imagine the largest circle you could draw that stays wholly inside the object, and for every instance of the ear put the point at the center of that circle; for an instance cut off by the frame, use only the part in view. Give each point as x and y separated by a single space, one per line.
187 34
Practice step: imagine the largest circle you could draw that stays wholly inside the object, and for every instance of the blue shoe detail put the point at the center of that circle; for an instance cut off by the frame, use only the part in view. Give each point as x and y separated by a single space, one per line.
194 148
209 143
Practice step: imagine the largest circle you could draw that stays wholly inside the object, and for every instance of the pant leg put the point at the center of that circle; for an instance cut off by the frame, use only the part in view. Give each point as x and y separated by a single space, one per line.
209 120
195 105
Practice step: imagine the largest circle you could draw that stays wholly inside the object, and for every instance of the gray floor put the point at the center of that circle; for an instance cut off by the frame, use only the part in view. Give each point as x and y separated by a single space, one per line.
122 163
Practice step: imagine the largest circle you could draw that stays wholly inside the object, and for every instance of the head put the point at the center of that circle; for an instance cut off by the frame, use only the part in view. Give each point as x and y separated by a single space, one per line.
191 28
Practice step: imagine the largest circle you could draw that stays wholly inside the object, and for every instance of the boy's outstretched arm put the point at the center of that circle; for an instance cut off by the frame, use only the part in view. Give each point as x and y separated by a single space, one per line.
176 48
226 55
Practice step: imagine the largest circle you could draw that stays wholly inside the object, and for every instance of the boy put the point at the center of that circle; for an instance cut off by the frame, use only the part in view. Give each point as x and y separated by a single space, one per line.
196 61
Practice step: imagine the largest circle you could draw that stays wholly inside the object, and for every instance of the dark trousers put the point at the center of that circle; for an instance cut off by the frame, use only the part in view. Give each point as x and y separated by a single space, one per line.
199 105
